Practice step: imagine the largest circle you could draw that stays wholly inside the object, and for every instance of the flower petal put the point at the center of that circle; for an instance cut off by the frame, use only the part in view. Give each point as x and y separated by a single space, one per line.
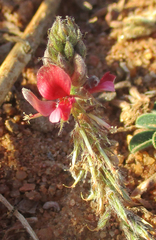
62 111
53 82
55 116
65 107
43 107
105 84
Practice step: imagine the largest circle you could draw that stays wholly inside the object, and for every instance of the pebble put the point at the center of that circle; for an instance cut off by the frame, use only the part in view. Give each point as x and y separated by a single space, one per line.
148 54
51 204
56 232
8 109
3 188
21 175
103 234
27 206
72 202
112 233
91 217
52 189
15 193
43 189
48 232
148 160
27 187
33 195
17 118
11 126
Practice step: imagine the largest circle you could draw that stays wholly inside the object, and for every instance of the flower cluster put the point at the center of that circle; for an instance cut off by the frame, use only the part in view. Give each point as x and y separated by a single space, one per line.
54 84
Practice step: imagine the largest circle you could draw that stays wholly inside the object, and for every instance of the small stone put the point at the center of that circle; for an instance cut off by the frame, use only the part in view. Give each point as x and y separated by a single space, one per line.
27 206
21 175
148 160
56 232
17 118
112 233
27 187
33 195
60 186
8 109
116 231
14 193
147 54
51 204
3 188
11 126
16 184
52 190
43 189
91 217
103 234
72 202
48 232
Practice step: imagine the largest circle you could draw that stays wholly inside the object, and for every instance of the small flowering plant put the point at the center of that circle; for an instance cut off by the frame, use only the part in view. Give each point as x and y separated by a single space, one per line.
66 89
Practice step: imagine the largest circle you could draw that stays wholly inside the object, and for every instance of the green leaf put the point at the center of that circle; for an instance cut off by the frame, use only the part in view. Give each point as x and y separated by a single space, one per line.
147 120
140 141
154 108
154 140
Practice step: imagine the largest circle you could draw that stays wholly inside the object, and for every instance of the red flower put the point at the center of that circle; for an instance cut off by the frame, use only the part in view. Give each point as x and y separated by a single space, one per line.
53 83
106 83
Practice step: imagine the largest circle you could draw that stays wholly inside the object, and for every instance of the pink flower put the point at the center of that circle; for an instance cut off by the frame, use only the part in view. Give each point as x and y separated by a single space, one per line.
53 83
106 83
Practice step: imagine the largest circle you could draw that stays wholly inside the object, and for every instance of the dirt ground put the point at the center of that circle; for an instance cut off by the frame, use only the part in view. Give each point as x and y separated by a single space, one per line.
34 160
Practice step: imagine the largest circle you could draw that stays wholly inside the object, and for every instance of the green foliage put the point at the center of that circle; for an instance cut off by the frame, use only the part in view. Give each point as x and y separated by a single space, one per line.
147 137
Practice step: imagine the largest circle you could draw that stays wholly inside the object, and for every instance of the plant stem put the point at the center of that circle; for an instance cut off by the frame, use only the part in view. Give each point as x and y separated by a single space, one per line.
91 155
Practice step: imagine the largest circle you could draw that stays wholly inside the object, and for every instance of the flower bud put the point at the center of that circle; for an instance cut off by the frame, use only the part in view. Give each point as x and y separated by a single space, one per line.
81 48
52 53
46 59
69 50
65 42
62 30
57 44
55 27
79 76
71 23
64 64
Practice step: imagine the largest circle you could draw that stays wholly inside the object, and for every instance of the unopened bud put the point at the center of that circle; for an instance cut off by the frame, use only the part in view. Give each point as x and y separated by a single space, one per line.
52 53
54 28
65 42
79 76
71 23
57 44
62 30
46 59
72 30
69 50
81 48
79 34
63 63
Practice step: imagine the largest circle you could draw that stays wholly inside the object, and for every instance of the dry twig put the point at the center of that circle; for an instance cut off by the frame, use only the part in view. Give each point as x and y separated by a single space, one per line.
19 216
